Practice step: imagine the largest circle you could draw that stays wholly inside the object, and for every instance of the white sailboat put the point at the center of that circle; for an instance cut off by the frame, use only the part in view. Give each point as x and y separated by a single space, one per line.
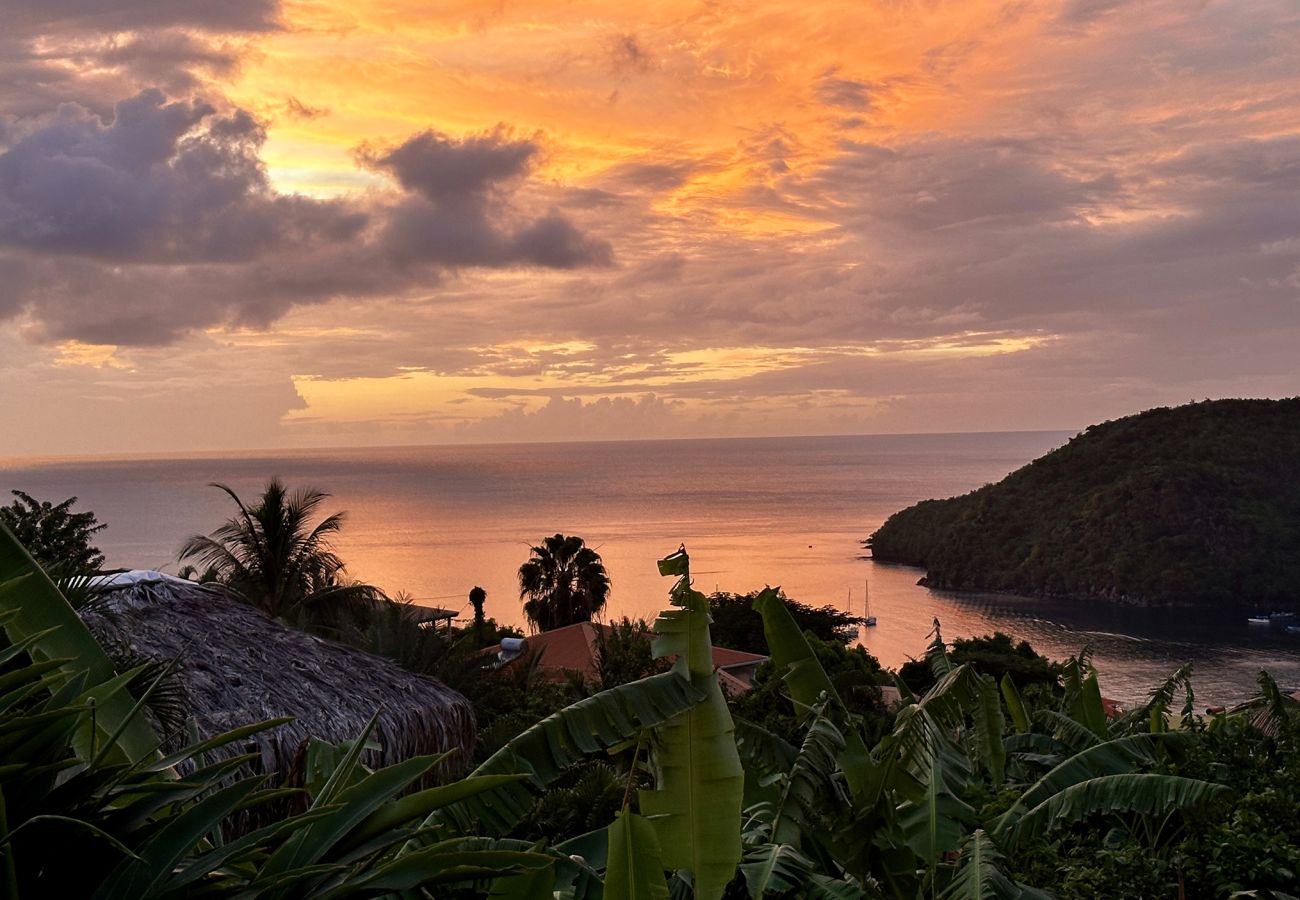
870 620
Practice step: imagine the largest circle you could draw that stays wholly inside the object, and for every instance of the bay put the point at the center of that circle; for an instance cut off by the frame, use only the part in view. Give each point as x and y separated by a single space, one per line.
435 521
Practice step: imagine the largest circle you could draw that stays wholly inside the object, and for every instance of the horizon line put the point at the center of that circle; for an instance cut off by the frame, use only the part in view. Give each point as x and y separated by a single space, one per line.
16 461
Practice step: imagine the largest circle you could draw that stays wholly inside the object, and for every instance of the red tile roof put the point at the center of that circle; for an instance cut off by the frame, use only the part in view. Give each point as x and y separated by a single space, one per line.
573 649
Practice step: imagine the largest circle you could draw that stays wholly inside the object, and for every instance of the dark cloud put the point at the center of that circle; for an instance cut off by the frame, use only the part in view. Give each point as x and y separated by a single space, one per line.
38 72
162 182
296 109
142 226
1026 235
456 212
554 242
157 56
627 53
1085 12
132 15
453 172
656 177
944 184
845 93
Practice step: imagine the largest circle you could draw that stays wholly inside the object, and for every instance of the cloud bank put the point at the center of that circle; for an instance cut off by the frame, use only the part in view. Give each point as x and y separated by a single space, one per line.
934 216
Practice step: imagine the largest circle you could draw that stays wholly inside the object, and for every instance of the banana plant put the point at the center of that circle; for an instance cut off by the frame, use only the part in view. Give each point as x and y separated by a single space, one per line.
914 832
141 835
682 719
39 617
541 753
699 782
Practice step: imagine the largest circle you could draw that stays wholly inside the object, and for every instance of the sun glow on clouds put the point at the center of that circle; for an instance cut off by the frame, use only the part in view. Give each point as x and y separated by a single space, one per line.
96 356
459 399
989 213
607 83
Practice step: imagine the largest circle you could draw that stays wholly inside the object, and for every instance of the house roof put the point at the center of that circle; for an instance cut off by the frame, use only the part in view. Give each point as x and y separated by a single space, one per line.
427 613
726 658
240 666
573 648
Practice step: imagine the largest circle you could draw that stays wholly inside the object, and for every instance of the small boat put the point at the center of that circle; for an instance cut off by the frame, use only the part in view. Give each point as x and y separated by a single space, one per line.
1293 629
1259 620
870 620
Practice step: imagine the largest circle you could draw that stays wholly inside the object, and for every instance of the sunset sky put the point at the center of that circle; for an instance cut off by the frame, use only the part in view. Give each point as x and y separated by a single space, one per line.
244 224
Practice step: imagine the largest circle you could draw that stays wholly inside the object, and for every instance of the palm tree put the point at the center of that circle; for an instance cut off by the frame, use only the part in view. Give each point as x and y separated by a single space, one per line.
271 556
564 581
477 597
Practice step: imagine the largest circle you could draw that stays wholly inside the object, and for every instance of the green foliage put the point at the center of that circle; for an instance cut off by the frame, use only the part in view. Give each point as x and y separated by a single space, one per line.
139 833
636 868
699 782
545 751
69 778
774 869
949 803
810 688
855 675
564 581
584 798
939 802
624 653
994 654
978 875
738 625
59 539
39 622
1196 504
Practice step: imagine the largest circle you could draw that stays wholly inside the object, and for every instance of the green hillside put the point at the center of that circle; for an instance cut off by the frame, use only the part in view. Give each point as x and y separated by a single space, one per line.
1198 504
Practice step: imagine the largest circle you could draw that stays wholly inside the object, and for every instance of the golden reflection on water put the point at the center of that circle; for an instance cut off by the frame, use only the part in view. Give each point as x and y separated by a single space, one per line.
436 521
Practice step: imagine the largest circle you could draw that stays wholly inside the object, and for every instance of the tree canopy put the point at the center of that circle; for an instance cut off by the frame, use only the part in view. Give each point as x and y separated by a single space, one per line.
736 624
996 654
1198 504
60 540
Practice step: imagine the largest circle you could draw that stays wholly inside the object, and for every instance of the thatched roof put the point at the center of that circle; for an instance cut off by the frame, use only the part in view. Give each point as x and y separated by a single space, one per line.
239 666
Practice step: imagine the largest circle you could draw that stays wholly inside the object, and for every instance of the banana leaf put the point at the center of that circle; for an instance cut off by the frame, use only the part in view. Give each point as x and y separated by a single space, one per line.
774 869
35 610
808 682
1132 793
636 866
978 877
699 782
591 725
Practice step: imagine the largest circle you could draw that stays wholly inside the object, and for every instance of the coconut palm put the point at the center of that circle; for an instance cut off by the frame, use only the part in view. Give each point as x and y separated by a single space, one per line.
272 556
564 581
477 597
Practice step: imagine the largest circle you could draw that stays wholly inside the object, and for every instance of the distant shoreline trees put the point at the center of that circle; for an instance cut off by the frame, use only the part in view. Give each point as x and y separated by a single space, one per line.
1195 505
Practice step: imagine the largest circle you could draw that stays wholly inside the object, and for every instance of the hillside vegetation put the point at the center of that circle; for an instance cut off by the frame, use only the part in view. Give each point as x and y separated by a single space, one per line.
1198 504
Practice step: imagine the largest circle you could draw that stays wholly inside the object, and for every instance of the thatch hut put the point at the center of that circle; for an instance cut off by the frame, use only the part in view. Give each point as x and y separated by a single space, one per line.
239 666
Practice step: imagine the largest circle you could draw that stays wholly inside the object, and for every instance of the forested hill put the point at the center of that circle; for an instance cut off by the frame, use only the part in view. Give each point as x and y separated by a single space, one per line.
1198 504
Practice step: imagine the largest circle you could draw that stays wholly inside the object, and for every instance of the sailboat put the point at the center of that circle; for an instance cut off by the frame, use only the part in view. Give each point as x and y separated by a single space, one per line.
870 620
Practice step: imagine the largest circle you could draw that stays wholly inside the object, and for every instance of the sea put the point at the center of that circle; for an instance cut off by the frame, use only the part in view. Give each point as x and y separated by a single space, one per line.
434 521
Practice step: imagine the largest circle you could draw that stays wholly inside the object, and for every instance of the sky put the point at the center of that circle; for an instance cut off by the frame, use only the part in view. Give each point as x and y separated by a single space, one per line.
232 224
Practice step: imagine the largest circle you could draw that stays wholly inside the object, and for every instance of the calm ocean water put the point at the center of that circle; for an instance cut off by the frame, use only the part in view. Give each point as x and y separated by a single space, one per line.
435 521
